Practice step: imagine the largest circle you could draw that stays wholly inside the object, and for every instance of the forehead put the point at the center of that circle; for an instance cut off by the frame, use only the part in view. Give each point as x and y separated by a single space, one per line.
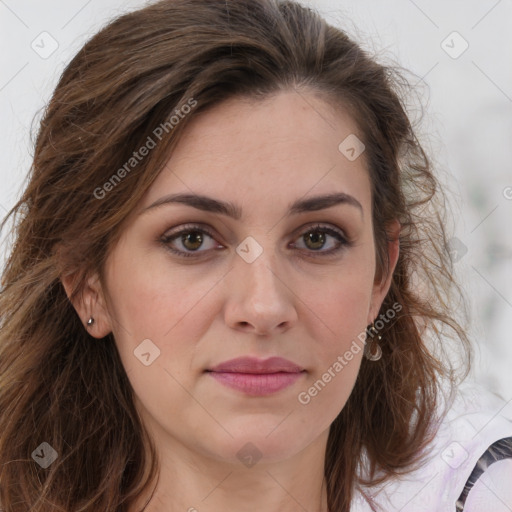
276 149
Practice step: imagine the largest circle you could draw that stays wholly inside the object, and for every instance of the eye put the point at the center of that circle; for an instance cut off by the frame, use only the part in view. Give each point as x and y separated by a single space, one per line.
189 241
322 239
193 240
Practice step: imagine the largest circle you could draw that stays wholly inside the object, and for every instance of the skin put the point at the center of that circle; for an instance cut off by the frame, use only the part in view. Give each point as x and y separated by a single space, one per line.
292 301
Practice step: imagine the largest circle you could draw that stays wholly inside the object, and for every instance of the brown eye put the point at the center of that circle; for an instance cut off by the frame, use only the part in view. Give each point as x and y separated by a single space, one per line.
192 240
314 240
322 240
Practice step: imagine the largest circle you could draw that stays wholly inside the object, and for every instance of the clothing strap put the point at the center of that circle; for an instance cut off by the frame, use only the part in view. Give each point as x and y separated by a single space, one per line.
499 450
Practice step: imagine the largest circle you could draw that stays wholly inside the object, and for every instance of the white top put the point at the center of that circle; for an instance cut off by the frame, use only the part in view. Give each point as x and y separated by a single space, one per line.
476 419
493 490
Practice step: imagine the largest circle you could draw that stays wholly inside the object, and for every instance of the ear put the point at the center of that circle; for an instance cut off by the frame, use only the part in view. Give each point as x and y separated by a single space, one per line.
89 302
381 286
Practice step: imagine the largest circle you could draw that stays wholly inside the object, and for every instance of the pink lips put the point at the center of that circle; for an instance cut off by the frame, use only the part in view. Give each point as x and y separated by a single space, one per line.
255 376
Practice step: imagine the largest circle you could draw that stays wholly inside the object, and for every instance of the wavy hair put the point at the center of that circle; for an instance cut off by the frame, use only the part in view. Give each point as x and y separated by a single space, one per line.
60 387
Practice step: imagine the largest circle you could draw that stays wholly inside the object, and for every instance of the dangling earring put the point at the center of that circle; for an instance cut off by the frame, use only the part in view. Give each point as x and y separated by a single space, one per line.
372 350
90 322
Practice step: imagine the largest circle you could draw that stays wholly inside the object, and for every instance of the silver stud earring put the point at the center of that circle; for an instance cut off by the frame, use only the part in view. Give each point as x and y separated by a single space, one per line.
372 350
90 322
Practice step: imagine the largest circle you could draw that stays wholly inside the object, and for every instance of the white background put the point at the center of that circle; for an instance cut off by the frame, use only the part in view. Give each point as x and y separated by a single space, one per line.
468 103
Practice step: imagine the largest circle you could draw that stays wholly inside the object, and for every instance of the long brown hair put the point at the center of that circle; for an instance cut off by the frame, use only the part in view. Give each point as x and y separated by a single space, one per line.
59 386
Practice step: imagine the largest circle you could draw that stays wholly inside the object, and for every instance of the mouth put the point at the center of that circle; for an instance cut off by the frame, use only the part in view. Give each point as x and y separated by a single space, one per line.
257 377
255 365
257 384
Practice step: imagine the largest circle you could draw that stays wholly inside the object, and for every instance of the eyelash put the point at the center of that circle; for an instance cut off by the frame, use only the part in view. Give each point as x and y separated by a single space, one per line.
195 228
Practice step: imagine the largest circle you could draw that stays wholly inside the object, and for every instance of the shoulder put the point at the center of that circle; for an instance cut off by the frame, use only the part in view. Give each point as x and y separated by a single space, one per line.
474 421
489 485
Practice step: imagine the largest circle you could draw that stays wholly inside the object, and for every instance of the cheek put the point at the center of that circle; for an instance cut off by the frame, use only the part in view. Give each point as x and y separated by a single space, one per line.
340 299
151 295
151 300
336 322
170 307
334 312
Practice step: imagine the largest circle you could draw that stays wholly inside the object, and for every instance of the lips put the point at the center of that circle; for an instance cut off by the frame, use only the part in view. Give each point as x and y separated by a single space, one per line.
256 377
257 366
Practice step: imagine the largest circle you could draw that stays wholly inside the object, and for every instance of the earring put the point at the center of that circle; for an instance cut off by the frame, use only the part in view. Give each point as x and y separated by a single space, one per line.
90 322
372 350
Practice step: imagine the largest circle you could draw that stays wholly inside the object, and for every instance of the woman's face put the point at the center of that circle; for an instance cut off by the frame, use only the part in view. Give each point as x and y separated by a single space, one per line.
240 271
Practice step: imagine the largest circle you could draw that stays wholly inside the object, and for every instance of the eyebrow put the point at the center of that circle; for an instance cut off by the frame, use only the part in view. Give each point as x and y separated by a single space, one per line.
209 204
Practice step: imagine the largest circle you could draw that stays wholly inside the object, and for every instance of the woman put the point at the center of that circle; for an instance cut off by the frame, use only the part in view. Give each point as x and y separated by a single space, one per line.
229 284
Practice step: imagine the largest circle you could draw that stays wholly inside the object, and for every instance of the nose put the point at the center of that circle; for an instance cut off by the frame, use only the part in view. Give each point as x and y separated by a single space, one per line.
259 298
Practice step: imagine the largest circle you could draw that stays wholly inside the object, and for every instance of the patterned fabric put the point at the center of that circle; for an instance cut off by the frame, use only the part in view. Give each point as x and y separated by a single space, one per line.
454 473
499 450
